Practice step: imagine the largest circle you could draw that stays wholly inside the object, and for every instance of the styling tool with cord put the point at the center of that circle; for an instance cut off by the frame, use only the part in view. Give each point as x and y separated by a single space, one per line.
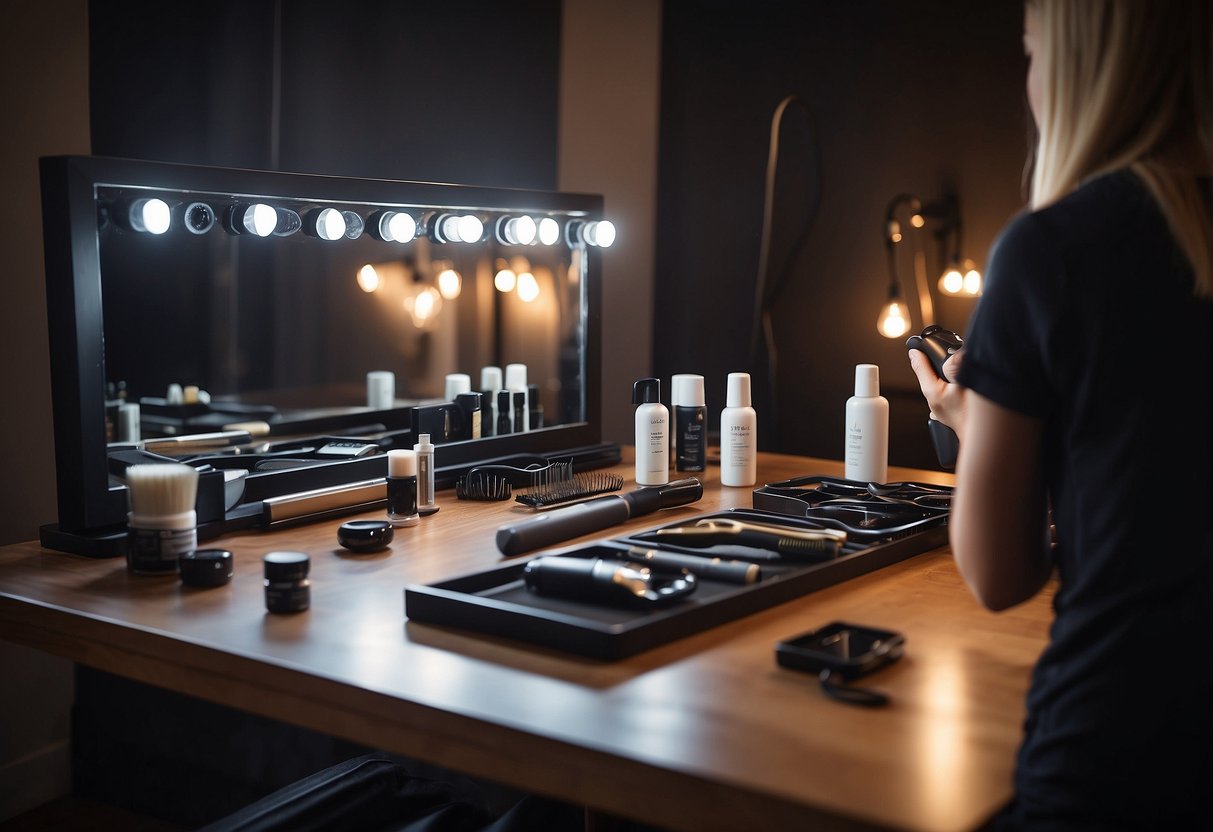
939 344
599 580
593 515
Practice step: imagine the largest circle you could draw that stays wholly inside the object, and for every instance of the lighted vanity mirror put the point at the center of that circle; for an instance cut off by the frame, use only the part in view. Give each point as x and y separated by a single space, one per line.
253 305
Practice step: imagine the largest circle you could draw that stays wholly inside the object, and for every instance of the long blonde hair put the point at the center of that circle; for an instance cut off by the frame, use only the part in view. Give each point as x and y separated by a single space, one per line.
1129 84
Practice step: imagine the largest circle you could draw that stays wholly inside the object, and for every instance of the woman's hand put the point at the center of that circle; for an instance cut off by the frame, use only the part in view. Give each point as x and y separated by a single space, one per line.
946 399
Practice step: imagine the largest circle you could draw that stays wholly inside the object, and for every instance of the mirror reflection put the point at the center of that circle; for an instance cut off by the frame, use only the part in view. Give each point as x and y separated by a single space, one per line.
283 317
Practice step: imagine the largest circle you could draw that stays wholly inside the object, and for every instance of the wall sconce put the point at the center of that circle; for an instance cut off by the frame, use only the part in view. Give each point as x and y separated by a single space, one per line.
960 277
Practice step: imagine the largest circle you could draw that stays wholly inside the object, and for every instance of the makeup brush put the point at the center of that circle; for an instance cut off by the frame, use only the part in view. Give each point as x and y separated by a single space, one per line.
162 524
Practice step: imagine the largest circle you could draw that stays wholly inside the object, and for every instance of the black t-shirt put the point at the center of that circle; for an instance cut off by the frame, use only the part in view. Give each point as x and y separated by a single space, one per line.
1088 322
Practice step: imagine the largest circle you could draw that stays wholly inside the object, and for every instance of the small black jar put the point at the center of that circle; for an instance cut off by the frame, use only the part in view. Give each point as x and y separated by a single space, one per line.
287 588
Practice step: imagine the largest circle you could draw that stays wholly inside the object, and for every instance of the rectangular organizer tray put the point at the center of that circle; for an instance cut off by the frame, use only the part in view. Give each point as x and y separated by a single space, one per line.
496 602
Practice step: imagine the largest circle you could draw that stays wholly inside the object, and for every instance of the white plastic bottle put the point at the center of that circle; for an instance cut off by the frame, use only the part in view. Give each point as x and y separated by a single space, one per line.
515 382
652 433
867 442
738 434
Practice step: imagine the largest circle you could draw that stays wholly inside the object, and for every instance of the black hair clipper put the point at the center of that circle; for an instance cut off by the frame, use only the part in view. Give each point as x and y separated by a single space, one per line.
939 345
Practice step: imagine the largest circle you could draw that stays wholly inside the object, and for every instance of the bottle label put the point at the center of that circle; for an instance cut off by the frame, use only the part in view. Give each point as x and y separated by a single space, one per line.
691 451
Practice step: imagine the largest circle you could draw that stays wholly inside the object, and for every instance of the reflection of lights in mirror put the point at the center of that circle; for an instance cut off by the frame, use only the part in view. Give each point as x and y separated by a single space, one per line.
505 280
960 278
288 222
517 231
149 215
325 223
450 282
549 231
423 306
368 278
528 287
353 224
196 217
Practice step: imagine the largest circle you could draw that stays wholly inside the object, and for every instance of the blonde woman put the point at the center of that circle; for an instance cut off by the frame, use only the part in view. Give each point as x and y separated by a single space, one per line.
1081 397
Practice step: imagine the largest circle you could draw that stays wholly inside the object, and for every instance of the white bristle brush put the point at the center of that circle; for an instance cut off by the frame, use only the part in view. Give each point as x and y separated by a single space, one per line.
161 489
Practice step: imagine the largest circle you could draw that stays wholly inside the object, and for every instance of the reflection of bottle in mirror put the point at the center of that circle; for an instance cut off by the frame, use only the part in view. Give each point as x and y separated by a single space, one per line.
456 383
520 414
470 405
690 423
505 413
738 434
515 382
652 433
867 439
380 389
534 407
490 383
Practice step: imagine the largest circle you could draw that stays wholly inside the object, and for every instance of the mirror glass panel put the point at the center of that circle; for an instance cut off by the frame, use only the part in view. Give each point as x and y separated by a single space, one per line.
209 325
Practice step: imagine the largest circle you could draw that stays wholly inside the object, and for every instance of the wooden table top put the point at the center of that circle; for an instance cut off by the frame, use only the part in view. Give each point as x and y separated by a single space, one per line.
704 733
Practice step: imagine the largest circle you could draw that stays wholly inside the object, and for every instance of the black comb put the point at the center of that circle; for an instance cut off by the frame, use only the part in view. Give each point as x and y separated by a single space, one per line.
577 487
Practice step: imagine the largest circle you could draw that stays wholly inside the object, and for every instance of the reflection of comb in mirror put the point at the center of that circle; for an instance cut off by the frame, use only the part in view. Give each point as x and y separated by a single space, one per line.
576 488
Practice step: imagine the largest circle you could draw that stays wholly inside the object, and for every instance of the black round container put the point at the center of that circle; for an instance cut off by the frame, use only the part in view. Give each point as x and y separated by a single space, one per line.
287 588
206 567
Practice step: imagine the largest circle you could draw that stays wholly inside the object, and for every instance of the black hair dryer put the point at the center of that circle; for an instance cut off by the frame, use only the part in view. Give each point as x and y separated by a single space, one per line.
939 345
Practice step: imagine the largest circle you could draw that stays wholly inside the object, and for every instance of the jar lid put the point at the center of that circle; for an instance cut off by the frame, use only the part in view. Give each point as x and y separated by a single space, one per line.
286 566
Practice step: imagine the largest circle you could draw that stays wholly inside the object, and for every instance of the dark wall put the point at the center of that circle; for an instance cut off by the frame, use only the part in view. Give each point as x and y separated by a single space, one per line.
464 93
923 97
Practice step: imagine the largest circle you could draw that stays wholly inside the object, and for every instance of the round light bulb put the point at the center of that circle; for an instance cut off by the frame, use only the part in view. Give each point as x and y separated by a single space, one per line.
600 233
972 282
505 280
528 287
400 228
471 229
330 225
449 283
150 215
549 231
951 282
260 219
893 321
520 231
368 278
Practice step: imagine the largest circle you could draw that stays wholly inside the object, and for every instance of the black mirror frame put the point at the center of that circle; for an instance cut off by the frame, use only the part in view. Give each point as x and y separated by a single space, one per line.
89 507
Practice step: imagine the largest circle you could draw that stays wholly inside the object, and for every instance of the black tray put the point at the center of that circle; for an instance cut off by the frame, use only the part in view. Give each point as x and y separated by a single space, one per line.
496 602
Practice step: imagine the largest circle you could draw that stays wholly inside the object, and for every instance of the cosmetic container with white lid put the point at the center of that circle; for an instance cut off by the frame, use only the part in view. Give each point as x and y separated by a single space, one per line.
738 434
866 457
652 433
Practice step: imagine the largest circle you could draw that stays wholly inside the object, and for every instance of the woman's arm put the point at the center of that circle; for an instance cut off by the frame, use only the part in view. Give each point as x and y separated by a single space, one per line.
999 522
